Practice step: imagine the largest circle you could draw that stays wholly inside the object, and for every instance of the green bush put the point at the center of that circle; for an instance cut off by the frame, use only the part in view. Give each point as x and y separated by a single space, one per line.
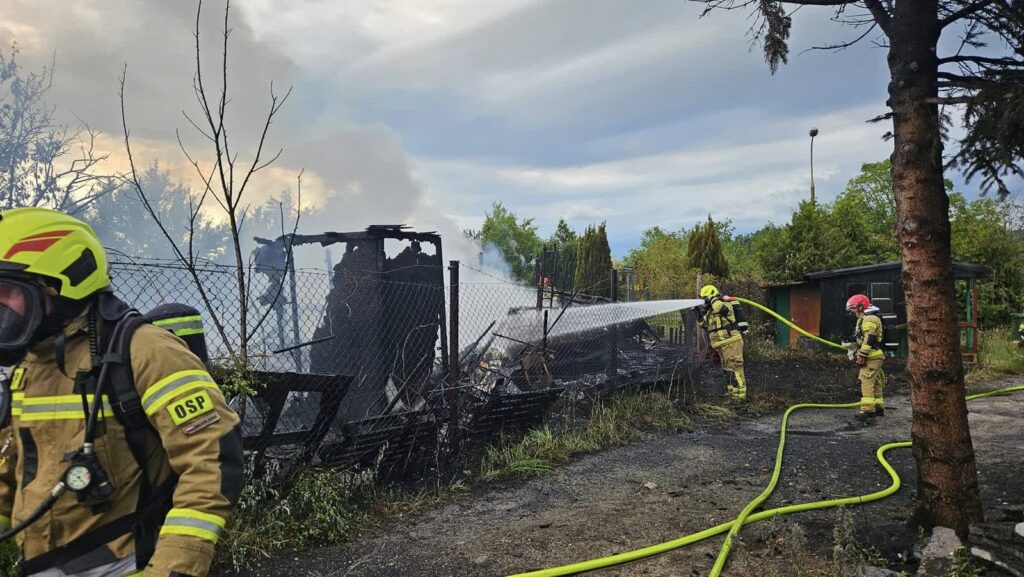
998 355
9 559
317 508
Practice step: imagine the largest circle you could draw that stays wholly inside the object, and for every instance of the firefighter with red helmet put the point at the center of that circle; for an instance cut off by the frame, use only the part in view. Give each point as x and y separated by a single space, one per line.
868 354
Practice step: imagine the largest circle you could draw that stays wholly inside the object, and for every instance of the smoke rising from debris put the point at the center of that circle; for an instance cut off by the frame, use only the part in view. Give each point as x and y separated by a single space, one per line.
355 176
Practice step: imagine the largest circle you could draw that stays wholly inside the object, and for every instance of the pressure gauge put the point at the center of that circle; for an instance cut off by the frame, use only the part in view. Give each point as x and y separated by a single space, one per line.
78 477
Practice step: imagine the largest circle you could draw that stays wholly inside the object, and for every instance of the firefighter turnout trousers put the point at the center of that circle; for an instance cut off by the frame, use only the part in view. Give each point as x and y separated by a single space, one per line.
732 364
872 381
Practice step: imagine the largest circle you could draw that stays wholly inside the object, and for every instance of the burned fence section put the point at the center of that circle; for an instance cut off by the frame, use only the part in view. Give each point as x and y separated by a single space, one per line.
374 360
517 360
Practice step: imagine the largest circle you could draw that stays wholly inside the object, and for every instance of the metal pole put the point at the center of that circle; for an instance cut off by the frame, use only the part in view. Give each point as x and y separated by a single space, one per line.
297 354
814 132
453 342
538 268
329 266
614 286
544 342
554 277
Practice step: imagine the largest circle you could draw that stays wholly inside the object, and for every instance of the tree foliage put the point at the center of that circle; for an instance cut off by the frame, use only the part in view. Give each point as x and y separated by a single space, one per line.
516 239
124 225
704 250
988 231
564 242
859 228
661 264
43 163
593 262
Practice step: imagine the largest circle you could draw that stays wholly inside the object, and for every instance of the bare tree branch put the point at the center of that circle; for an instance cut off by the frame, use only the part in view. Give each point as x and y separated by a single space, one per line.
880 14
189 262
843 45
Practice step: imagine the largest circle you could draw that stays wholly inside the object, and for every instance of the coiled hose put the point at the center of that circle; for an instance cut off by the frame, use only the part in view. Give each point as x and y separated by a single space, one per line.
747 516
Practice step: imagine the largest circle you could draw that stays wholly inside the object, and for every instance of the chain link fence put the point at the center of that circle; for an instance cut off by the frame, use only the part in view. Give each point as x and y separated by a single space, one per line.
401 371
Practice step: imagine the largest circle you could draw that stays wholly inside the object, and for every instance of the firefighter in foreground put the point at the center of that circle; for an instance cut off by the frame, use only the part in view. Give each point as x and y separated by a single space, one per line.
138 480
719 320
868 353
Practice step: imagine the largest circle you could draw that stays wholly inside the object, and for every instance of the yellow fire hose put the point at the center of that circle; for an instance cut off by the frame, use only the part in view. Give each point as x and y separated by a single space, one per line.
787 321
747 516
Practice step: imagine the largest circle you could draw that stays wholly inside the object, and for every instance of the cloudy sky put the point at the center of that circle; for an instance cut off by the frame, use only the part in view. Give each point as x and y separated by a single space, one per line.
637 113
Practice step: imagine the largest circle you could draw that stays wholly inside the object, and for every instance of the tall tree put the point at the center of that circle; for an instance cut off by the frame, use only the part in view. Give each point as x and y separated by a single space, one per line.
594 262
516 239
983 72
661 265
705 250
565 242
42 162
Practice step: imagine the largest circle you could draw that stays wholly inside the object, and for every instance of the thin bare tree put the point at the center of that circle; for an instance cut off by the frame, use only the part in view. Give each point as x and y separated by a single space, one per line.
44 163
226 180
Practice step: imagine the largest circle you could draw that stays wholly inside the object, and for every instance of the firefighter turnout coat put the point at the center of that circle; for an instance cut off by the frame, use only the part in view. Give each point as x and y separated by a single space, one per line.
869 337
193 437
720 322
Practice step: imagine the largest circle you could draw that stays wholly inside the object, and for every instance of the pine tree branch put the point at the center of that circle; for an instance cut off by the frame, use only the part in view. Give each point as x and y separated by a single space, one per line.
981 60
964 12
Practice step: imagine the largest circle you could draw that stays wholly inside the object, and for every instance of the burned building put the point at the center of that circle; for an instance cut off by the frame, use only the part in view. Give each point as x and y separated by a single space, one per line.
384 321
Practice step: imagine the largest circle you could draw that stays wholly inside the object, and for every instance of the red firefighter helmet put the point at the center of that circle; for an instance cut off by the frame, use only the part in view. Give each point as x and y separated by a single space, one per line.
857 303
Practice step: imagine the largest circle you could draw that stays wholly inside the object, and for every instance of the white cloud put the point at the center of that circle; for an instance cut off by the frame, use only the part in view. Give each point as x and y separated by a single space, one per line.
326 31
748 182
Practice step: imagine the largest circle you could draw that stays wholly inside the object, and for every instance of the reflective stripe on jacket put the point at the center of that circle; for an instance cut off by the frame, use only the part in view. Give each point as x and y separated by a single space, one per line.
720 322
194 435
869 325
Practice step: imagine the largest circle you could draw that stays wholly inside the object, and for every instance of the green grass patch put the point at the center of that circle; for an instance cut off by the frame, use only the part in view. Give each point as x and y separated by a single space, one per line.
618 420
998 356
317 507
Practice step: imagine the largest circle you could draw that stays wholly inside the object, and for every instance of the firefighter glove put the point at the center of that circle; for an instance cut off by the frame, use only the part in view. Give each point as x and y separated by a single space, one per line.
862 359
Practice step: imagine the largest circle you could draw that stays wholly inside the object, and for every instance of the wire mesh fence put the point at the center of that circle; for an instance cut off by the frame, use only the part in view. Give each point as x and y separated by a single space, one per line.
397 370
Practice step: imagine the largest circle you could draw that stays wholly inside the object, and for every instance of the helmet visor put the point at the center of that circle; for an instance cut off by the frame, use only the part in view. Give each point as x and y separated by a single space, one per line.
21 312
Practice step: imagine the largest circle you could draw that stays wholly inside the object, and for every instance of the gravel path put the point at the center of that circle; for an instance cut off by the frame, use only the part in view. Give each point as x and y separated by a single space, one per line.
599 505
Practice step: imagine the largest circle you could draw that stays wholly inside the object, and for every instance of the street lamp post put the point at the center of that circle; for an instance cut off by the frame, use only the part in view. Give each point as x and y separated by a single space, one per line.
814 132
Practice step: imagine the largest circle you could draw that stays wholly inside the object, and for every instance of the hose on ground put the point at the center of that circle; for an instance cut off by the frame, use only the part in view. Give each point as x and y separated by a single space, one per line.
747 515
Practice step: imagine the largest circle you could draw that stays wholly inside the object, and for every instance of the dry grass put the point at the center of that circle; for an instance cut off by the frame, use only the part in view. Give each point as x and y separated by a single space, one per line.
780 549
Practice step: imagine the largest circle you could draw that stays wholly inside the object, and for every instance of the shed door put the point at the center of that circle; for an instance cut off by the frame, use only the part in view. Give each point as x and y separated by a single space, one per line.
805 311
781 305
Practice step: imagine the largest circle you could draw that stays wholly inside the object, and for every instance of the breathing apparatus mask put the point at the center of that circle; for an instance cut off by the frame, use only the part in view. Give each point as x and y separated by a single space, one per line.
28 317
23 317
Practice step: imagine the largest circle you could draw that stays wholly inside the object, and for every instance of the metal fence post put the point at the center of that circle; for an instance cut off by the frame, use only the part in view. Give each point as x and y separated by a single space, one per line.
453 341
538 266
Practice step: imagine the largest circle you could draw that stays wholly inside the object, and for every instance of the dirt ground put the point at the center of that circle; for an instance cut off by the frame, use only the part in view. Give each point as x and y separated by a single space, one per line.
599 505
